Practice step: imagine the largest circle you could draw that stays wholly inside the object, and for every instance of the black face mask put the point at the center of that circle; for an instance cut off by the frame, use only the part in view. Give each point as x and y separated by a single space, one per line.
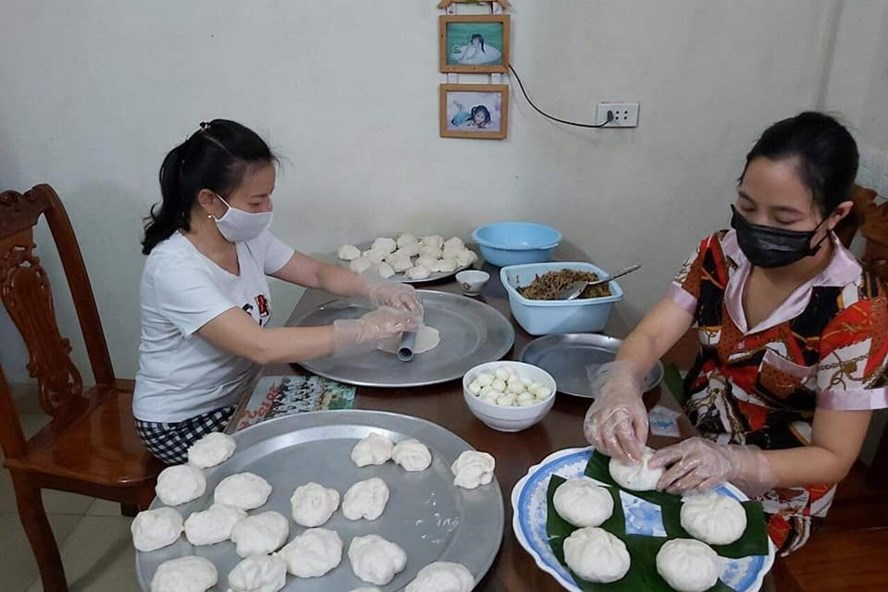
769 247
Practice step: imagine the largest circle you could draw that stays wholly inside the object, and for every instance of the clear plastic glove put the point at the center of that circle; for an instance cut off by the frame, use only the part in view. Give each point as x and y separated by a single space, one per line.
394 294
369 331
697 465
617 422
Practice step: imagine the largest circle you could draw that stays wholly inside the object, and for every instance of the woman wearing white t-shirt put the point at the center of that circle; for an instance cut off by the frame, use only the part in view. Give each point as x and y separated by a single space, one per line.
205 299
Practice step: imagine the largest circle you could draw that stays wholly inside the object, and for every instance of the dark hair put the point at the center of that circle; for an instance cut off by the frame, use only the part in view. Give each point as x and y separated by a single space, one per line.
479 38
217 157
826 153
481 109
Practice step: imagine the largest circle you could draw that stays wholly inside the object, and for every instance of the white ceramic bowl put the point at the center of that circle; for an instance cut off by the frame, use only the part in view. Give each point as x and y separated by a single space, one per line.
471 281
509 419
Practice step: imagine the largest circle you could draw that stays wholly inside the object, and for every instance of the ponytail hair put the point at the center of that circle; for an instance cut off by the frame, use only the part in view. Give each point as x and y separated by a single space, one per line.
216 157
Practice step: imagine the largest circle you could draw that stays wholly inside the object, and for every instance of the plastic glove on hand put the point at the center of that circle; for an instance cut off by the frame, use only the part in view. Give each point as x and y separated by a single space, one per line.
696 465
617 422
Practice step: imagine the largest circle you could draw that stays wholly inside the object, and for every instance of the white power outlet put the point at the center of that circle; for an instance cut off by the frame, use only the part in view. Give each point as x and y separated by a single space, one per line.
622 114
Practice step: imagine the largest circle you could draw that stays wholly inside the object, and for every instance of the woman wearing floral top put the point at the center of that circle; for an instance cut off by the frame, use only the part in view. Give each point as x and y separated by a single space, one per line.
793 340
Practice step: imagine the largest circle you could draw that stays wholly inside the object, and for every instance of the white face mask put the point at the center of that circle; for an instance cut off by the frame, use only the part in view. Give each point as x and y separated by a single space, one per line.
239 226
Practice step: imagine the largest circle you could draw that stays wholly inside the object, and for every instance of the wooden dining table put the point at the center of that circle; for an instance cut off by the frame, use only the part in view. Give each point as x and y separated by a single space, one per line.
513 570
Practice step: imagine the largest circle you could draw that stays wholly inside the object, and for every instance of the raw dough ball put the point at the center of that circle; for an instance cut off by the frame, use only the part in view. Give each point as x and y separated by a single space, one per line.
433 240
472 469
374 256
153 529
185 574
406 239
375 449
258 573
384 244
582 502
179 484
454 243
348 252
385 270
713 518
418 272
426 261
596 555
242 490
376 560
260 534
445 265
442 576
409 250
412 455
313 553
466 257
211 450
688 565
401 263
360 265
313 504
637 477
430 251
213 525
365 499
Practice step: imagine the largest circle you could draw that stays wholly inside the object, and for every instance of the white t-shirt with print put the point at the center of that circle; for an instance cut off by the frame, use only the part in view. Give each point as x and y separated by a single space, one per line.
181 374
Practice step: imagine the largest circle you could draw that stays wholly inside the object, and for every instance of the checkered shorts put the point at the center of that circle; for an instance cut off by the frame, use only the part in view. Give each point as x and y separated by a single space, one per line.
170 441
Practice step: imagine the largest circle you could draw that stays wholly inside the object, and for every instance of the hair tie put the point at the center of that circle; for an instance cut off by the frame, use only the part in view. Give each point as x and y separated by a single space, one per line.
204 126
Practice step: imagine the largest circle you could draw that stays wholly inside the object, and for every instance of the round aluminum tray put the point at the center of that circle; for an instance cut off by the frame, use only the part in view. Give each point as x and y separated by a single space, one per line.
427 515
471 333
567 357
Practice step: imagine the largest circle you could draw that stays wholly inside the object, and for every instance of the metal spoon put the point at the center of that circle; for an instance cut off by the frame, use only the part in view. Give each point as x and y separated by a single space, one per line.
571 291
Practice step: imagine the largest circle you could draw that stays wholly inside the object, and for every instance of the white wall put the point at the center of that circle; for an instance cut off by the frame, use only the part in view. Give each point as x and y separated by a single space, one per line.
96 92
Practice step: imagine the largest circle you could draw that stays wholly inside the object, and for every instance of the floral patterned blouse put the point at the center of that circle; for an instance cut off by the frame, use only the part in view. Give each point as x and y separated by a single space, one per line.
824 347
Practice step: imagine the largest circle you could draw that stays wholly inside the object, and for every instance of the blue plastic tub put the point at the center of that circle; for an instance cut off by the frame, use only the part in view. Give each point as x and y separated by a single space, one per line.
513 243
544 317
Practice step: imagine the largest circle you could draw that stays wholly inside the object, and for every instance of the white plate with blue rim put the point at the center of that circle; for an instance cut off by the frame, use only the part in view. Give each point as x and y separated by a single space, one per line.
529 522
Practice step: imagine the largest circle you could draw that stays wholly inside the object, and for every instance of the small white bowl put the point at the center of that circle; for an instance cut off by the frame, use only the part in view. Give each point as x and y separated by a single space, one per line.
471 281
509 419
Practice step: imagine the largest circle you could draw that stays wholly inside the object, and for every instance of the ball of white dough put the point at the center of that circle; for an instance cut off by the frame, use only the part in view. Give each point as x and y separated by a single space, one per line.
348 252
688 565
213 525
154 529
466 257
375 449
485 379
374 256
582 502
365 499
179 484
442 576
407 239
385 270
637 477
596 555
211 450
445 265
258 573
432 240
412 455
313 504
376 560
185 574
260 534
385 244
713 518
454 243
472 469
246 491
360 265
400 263
418 272
313 553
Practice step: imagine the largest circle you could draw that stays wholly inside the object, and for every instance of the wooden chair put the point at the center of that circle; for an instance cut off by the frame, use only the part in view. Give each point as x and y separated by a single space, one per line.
90 446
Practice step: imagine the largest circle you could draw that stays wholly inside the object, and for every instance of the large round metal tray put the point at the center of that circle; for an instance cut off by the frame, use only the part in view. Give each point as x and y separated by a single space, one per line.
427 515
567 358
471 333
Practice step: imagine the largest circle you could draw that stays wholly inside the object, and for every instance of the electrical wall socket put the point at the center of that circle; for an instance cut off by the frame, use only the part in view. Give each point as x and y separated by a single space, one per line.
624 114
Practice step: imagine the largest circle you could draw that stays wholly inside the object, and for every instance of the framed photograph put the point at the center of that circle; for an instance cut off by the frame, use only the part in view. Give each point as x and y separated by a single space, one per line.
474 111
476 43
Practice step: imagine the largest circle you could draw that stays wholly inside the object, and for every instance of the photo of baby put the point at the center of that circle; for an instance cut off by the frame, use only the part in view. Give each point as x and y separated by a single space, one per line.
474 43
473 111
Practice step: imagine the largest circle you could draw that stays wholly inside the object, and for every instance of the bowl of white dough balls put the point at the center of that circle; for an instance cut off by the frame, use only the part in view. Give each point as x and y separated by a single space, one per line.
509 396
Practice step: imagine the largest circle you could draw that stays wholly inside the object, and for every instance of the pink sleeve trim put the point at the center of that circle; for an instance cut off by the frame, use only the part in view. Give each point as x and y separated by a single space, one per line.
682 297
859 400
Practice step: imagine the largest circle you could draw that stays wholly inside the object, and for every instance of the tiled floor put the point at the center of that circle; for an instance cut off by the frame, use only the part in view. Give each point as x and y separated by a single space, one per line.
93 537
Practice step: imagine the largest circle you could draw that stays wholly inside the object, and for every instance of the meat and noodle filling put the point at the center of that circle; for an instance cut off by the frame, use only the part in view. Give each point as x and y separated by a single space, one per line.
551 283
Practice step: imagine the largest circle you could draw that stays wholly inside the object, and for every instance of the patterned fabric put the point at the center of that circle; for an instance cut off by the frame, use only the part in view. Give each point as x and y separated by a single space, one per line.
824 347
170 441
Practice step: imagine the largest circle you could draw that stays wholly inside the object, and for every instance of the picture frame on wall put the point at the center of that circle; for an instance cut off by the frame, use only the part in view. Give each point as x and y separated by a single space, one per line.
474 43
478 111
